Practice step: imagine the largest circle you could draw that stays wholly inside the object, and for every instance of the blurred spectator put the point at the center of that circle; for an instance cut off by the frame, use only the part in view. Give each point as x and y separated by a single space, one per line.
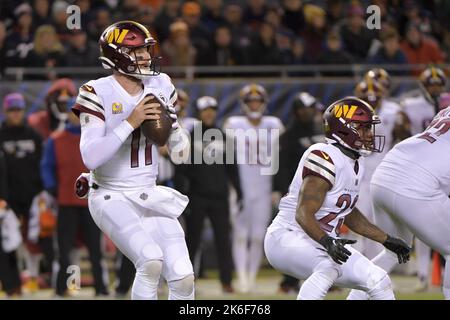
20 42
99 24
298 51
335 12
2 47
284 45
356 37
314 33
240 31
128 10
22 147
54 114
59 16
47 51
419 48
41 12
146 17
199 35
212 14
81 52
209 183
293 15
263 50
60 166
390 52
177 49
335 54
223 51
86 12
254 13
274 16
169 12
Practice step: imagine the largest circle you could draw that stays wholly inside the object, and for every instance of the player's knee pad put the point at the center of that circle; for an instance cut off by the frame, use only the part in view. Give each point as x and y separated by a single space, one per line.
379 284
150 270
182 289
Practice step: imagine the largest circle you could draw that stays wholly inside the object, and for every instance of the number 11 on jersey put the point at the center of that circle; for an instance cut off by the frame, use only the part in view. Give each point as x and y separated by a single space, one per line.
135 141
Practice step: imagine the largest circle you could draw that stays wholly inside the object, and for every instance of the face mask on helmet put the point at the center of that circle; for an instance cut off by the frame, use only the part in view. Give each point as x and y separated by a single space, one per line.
371 92
253 100
351 123
433 81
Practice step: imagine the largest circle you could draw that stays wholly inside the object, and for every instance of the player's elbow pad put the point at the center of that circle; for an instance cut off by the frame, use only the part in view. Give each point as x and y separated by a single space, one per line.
179 146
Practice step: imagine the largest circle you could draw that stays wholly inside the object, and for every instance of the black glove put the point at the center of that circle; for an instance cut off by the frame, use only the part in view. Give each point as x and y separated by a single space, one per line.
335 248
399 247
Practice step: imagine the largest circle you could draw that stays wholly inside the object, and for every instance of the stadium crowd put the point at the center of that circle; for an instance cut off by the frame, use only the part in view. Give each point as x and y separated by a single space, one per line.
230 33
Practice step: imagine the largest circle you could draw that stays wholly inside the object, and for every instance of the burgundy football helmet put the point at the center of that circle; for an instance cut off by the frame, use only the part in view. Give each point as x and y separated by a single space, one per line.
344 117
370 91
117 43
381 76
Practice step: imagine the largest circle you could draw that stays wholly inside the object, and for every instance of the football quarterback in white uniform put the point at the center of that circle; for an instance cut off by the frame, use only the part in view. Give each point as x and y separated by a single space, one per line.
138 216
255 135
303 240
410 191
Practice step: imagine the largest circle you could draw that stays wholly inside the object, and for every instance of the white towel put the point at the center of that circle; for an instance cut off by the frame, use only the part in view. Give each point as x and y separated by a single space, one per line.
159 200
11 236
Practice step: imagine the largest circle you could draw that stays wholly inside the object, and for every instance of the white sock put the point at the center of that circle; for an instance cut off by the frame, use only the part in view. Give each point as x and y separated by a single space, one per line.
240 257
255 257
423 260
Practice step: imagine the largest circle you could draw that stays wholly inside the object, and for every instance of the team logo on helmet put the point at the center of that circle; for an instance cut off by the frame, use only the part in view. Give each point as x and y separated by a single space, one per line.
117 49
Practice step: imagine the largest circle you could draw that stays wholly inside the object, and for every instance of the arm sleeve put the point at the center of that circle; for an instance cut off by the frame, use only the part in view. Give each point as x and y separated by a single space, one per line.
96 146
48 166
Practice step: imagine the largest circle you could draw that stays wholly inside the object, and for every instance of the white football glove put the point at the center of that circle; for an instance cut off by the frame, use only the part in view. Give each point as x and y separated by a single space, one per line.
173 115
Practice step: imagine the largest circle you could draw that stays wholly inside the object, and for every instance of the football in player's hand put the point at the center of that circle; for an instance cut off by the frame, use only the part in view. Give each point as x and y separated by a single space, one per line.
158 131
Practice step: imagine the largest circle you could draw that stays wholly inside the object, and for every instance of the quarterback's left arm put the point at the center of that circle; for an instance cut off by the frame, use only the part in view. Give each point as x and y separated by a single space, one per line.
358 223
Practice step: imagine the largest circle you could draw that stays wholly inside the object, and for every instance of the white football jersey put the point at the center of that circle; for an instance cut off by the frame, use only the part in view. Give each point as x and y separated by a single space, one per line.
419 111
418 167
254 150
342 173
135 164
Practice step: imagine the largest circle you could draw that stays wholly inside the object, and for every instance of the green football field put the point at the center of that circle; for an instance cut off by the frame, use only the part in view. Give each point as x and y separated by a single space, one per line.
209 288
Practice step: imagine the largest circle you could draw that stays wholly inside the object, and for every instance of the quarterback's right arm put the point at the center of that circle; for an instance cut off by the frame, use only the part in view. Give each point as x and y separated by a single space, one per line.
97 146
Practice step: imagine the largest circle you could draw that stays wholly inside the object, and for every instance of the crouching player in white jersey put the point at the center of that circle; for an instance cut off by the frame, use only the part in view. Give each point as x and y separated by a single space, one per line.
139 217
410 190
303 240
